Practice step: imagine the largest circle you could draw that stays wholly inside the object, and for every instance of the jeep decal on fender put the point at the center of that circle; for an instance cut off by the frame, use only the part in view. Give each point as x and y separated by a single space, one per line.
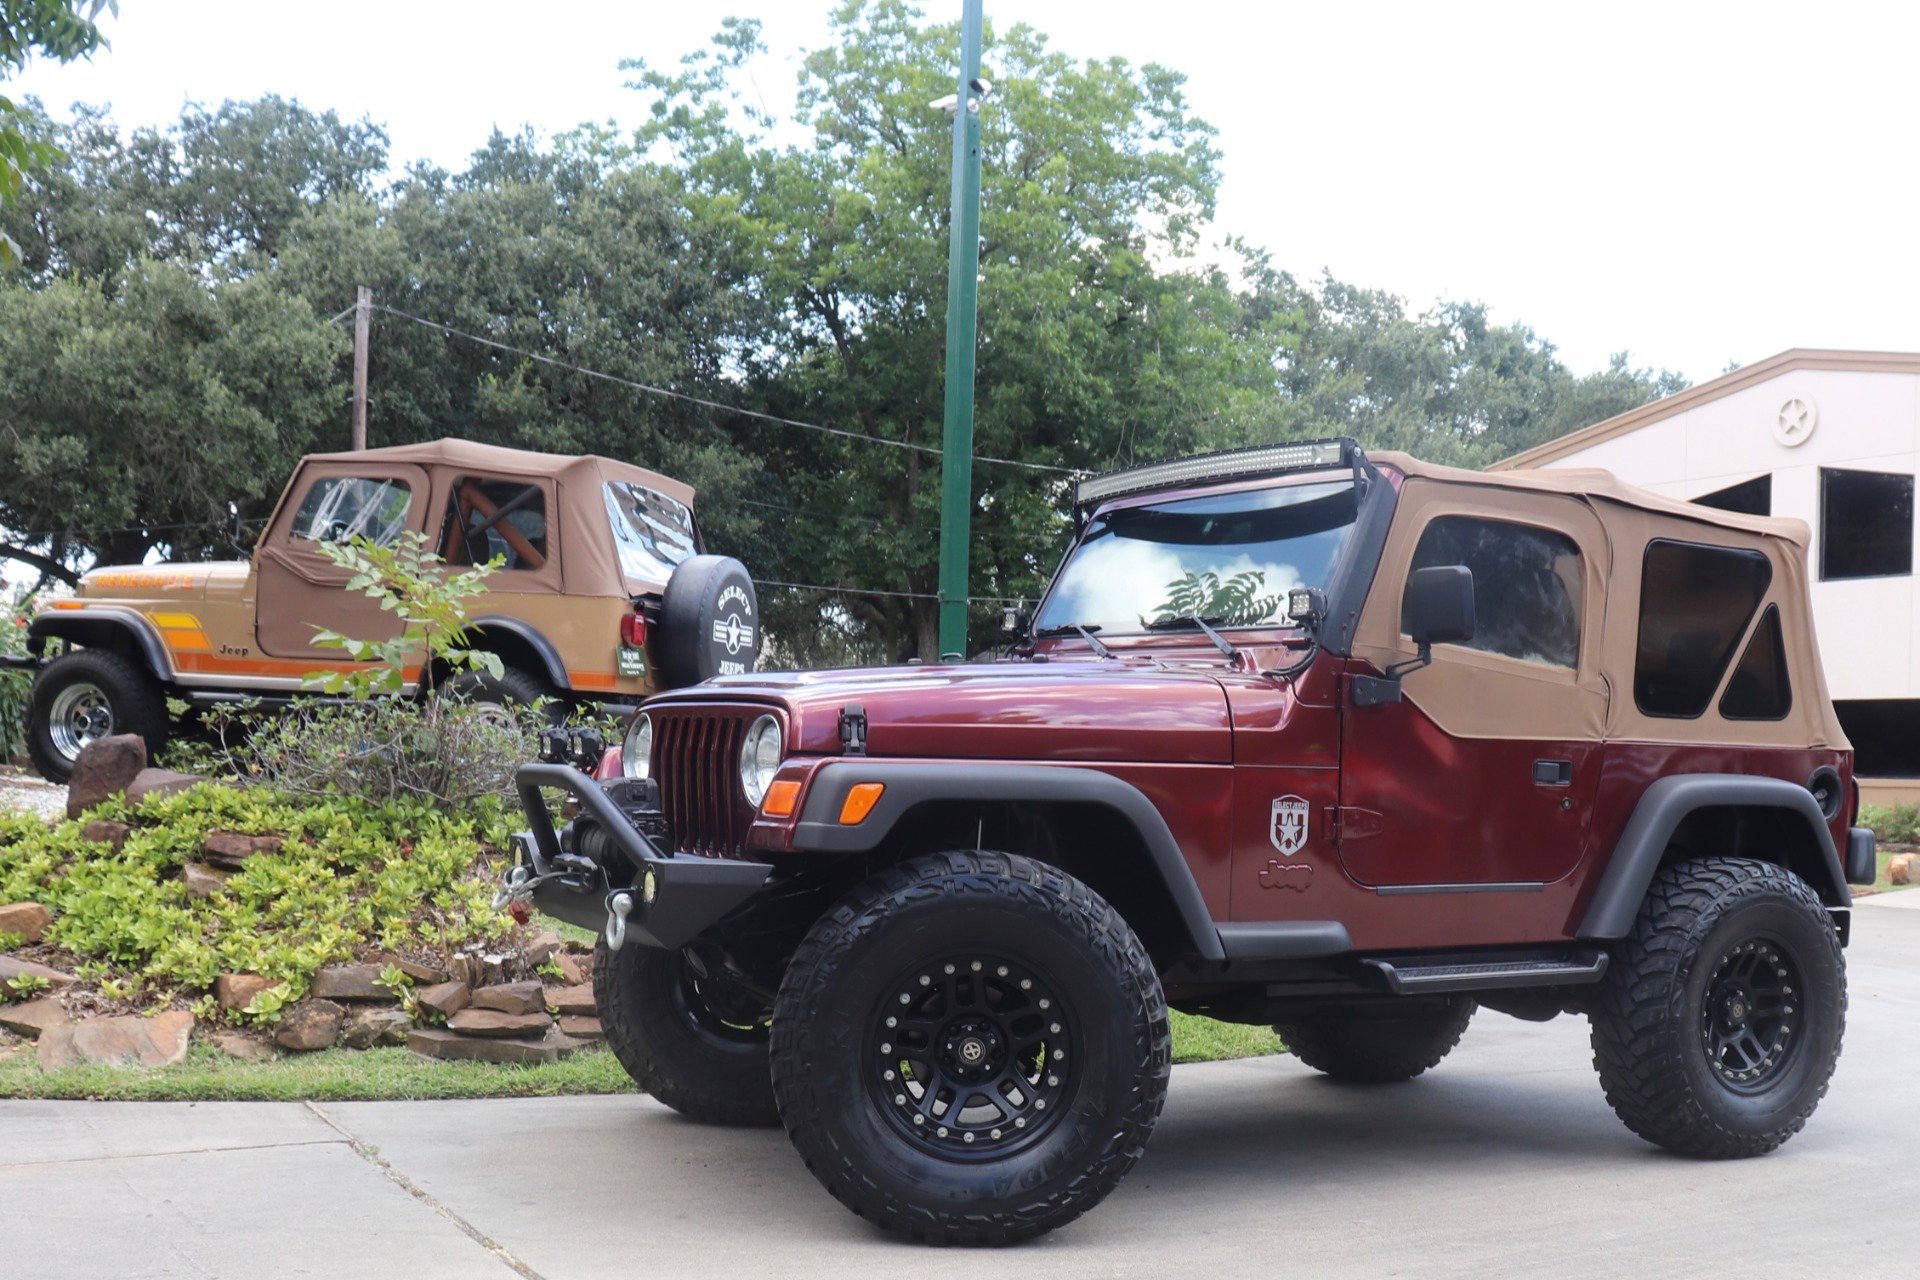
1288 830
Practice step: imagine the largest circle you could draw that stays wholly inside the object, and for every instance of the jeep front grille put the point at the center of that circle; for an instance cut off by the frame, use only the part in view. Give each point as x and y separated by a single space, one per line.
696 755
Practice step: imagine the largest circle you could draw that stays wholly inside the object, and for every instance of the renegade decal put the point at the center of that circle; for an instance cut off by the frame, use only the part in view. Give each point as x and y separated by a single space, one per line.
143 581
1288 830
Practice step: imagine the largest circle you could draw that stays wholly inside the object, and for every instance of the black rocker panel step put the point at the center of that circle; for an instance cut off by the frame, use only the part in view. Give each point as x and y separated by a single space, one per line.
1410 977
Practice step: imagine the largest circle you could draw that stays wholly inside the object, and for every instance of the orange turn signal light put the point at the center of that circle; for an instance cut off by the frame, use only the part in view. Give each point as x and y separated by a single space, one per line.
782 796
860 802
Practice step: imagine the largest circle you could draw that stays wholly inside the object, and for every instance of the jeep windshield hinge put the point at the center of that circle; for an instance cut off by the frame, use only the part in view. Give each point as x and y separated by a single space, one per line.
853 730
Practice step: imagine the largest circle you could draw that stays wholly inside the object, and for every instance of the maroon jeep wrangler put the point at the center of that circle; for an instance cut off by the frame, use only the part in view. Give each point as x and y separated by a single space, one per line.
1347 745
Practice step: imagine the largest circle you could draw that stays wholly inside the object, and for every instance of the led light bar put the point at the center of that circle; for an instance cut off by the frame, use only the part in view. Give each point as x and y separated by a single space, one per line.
1233 464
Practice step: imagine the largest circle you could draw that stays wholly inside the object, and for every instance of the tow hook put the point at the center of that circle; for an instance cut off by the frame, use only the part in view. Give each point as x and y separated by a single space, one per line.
619 904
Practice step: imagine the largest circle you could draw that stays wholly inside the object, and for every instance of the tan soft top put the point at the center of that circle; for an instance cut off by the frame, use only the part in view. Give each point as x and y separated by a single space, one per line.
587 468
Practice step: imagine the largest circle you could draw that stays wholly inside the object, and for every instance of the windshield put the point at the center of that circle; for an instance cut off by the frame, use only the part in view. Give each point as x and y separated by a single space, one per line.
652 532
1230 558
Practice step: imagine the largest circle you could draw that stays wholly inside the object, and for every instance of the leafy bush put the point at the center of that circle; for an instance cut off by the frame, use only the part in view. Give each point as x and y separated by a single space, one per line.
350 878
1895 824
14 685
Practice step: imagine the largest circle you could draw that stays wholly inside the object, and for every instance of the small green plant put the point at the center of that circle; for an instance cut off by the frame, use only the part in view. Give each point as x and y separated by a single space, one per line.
266 1005
11 941
1892 824
25 986
15 686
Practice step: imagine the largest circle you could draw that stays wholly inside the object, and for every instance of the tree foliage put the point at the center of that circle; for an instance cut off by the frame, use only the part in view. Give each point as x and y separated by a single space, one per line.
59 29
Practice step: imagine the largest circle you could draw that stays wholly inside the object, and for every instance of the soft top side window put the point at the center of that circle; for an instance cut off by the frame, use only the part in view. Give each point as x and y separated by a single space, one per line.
1695 604
1526 585
338 508
488 518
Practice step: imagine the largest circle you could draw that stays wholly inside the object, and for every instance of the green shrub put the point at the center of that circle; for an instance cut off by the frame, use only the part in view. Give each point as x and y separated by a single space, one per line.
1895 824
15 686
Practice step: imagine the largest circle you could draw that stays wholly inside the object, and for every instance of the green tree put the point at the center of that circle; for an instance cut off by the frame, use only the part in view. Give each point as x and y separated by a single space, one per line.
59 29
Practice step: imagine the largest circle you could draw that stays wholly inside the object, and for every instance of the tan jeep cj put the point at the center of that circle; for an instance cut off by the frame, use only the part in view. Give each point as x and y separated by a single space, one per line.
605 595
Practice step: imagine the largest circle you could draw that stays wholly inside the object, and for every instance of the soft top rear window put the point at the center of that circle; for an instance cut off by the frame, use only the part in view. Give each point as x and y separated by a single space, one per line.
652 532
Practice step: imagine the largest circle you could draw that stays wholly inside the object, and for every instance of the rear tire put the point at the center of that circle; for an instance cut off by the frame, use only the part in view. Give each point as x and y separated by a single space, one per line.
1717 1028
661 1021
1379 1050
513 689
86 695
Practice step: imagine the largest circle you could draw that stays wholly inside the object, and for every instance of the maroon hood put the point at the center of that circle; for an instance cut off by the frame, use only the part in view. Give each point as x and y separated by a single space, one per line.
1059 711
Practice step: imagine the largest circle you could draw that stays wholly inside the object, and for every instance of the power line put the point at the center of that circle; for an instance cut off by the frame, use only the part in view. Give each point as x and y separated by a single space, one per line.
708 404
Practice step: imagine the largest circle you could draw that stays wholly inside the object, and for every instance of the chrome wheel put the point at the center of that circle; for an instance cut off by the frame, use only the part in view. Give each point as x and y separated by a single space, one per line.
80 714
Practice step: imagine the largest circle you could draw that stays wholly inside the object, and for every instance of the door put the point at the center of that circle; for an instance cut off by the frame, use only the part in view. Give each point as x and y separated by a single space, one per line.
301 591
1482 775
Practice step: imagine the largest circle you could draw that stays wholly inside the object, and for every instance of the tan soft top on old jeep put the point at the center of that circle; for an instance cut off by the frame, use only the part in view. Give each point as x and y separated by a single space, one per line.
603 594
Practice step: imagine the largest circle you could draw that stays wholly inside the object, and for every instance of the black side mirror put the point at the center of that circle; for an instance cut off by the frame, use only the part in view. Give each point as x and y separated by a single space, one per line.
1438 608
231 527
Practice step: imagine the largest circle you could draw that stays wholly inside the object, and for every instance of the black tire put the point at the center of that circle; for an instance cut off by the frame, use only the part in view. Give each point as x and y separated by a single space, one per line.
511 688
975 957
1379 1050
89 694
709 622
660 1020
1717 1027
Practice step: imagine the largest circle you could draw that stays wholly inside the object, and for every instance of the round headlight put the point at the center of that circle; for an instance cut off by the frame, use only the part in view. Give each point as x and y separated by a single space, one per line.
759 758
636 753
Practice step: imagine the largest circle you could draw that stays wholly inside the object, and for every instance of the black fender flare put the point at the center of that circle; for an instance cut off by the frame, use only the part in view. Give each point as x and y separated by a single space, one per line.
911 783
1662 807
79 626
555 668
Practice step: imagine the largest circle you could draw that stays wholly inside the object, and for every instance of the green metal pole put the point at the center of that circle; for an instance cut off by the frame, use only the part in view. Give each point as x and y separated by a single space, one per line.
963 274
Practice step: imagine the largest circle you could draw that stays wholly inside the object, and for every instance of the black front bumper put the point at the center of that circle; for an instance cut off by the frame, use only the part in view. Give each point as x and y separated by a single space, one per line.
20 662
648 893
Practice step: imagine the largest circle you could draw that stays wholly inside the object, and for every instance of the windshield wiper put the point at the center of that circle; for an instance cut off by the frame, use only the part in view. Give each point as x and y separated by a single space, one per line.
1181 620
1086 633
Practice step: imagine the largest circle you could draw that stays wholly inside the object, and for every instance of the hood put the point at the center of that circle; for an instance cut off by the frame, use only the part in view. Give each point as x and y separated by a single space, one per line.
1063 711
163 581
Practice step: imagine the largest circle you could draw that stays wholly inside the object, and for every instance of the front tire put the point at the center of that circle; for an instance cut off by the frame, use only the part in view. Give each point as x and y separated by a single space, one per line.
1717 1028
688 1039
971 1048
1384 1050
87 695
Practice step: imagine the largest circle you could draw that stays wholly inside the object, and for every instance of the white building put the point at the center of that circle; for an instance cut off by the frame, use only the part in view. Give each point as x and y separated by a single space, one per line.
1832 438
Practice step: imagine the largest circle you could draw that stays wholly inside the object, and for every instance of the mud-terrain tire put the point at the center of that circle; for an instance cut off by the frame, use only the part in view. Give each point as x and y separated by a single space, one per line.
709 622
1003 1002
664 1030
1717 1027
89 694
1379 1050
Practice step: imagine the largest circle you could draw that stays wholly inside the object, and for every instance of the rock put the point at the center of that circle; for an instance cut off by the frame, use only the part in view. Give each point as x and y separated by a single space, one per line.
350 982
512 997
573 1000
1900 869
243 1047
104 768
309 1025
33 1018
543 948
237 990
203 881
28 919
156 782
231 850
492 1022
151 1042
11 968
582 1028
433 1043
100 831
415 970
446 998
368 1027
571 971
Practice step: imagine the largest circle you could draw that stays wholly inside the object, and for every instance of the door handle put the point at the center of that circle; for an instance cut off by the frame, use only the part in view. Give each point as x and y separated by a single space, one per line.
1553 773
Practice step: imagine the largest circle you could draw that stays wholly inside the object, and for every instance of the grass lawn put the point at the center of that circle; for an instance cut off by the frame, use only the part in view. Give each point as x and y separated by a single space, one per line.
385 1075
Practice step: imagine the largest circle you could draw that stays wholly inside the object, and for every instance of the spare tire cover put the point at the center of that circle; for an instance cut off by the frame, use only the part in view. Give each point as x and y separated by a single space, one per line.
709 622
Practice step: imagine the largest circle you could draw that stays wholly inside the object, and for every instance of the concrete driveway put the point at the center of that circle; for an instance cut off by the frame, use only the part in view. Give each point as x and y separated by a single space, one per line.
1503 1162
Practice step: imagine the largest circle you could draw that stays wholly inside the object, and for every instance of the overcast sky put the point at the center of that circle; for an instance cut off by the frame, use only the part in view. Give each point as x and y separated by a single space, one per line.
1691 183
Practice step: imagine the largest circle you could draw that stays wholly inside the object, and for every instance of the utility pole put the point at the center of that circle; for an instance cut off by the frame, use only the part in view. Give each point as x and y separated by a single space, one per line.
362 314
963 275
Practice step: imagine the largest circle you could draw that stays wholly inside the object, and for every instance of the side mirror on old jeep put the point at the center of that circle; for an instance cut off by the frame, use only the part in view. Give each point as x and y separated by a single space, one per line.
1437 609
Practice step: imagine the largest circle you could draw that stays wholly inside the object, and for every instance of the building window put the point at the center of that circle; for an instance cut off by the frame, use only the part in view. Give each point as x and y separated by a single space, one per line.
1882 733
1759 688
1866 524
1748 498
1695 603
1526 586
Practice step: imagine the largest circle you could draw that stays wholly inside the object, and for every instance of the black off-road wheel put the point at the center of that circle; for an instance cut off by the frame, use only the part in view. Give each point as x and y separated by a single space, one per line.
87 695
511 690
694 1042
1716 1030
1379 1050
971 1048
